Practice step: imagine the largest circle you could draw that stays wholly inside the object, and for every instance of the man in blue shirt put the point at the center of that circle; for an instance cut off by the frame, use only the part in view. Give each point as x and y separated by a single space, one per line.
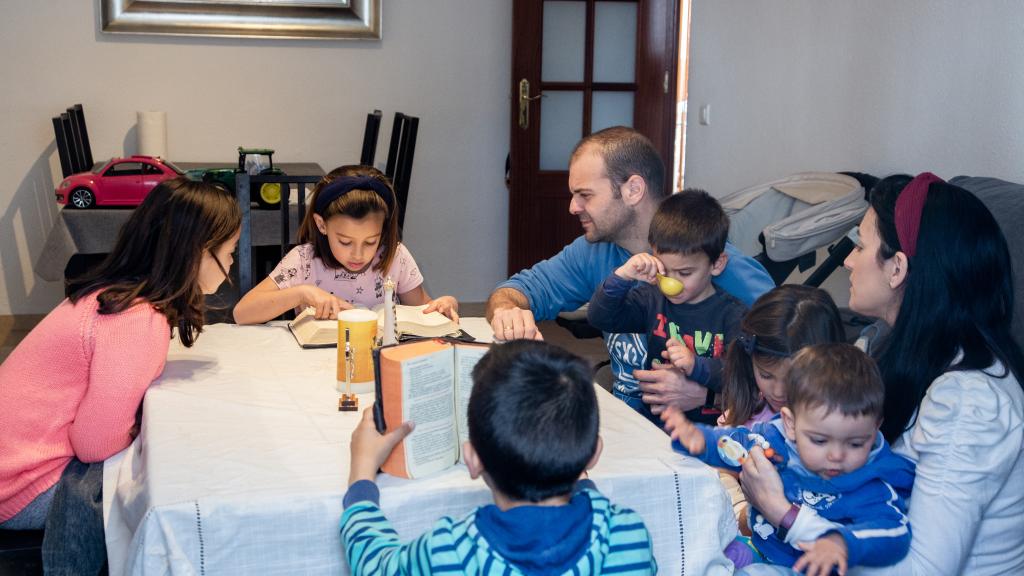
617 180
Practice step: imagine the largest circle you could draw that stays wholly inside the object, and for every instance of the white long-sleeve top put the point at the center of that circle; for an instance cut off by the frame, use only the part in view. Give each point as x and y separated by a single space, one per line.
967 505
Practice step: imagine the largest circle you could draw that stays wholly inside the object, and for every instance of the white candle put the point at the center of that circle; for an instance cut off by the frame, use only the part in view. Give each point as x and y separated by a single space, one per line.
390 335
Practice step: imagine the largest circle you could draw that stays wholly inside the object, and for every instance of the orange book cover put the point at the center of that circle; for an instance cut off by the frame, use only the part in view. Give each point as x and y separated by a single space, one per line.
428 382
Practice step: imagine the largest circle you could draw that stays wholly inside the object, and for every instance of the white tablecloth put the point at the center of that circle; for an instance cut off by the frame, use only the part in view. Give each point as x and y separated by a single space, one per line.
243 460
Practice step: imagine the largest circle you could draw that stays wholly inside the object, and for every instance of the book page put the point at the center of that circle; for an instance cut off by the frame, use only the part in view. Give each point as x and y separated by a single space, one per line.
428 400
466 357
312 333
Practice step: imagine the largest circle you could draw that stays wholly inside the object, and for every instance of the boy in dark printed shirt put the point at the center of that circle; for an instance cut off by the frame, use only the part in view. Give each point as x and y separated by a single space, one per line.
690 327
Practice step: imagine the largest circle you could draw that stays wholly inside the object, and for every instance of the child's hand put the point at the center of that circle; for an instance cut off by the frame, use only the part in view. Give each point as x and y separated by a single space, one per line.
446 305
679 355
822 555
683 430
327 305
370 449
643 267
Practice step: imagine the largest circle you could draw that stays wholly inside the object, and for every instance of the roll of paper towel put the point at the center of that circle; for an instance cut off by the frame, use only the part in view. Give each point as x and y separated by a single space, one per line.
152 133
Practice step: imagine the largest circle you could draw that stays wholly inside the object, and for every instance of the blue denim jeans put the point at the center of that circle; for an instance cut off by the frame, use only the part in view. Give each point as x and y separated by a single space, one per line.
74 542
639 405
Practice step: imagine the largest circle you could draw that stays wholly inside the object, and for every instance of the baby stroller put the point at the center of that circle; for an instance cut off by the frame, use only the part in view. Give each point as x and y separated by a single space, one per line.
784 222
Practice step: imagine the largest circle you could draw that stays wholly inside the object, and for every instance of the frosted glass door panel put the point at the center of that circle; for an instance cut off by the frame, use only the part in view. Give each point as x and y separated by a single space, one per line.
614 41
561 126
564 41
612 109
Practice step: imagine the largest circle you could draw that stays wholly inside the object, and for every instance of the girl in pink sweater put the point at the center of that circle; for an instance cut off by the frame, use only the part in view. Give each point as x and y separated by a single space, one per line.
70 392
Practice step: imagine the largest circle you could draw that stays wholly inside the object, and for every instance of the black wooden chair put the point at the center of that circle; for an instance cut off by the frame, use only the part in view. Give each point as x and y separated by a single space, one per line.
401 150
370 136
244 184
72 141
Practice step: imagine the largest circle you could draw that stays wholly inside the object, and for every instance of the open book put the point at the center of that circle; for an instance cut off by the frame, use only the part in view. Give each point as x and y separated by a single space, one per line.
428 382
312 333
412 322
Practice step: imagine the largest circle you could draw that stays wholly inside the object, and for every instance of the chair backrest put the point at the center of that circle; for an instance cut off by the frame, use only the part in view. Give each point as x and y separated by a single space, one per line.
244 184
72 139
370 135
1005 200
401 150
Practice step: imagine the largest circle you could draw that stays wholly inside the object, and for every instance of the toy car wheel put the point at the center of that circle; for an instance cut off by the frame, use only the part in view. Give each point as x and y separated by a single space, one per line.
82 198
269 195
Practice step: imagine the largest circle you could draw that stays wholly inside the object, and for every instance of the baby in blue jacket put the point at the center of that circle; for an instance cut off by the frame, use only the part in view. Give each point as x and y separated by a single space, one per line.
847 488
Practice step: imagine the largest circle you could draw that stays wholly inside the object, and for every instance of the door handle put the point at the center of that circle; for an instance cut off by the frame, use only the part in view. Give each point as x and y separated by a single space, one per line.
524 103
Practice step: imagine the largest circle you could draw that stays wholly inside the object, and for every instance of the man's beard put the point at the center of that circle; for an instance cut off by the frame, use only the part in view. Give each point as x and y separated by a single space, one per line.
619 226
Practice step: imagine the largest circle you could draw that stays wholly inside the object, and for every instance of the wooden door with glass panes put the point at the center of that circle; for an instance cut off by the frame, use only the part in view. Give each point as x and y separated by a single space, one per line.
579 66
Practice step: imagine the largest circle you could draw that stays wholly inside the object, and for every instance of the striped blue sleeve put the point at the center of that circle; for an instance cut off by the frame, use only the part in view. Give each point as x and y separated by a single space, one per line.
372 546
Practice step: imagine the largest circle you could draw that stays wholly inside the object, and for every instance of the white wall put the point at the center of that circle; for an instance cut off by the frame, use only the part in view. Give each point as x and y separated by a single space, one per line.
873 85
446 62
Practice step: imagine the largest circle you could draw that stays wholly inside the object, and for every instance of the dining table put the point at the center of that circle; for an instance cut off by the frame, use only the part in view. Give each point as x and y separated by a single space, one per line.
242 462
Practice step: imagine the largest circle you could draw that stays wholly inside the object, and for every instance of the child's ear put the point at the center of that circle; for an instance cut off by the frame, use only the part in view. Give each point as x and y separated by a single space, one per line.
718 266
788 423
472 460
320 224
597 454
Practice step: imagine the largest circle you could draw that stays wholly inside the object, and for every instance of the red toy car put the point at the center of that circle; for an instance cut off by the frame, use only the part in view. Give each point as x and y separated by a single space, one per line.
120 182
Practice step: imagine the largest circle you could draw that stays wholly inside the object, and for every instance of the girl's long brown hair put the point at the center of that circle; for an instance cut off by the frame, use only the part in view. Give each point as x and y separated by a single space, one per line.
784 320
355 204
159 251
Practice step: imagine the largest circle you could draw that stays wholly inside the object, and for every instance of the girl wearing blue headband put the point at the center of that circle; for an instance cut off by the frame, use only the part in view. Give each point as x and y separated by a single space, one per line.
348 246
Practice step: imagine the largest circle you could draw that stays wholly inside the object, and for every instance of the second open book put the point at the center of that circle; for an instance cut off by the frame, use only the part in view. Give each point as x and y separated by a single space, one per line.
427 382
313 333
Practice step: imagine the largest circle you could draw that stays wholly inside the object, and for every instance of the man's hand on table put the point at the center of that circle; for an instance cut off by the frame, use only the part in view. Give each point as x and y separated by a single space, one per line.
513 323
371 448
668 386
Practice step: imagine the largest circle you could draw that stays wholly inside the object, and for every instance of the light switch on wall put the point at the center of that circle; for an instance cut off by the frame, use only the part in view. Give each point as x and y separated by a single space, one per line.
705 115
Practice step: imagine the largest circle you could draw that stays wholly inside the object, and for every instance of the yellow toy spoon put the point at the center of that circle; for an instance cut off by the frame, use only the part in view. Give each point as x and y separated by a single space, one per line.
670 286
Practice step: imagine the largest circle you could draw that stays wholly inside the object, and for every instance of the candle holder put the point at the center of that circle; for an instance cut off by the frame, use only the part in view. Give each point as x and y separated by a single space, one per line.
348 402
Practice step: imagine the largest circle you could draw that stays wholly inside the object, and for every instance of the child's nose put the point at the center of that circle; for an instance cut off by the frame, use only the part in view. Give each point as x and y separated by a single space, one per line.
835 454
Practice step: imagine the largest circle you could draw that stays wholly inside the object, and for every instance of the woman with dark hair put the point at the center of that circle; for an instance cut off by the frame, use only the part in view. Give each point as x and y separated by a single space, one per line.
70 391
933 265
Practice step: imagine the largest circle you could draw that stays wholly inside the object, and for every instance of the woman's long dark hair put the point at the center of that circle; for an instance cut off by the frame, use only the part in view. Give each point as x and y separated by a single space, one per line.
159 251
957 297
782 321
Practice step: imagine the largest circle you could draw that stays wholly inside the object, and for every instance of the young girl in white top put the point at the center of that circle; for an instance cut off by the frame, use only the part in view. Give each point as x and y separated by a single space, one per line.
348 246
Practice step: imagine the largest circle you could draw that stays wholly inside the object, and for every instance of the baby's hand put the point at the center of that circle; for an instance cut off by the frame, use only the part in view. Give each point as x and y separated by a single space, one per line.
683 430
643 267
446 305
327 305
822 555
680 355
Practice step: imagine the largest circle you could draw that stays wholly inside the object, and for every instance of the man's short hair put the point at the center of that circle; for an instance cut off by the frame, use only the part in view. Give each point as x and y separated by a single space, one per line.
837 376
689 222
533 418
627 152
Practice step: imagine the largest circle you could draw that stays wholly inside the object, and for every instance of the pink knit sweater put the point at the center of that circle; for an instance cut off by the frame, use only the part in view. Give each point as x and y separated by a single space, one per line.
72 388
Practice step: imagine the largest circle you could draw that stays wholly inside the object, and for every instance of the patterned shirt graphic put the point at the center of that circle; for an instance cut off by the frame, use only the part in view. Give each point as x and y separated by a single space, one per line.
366 288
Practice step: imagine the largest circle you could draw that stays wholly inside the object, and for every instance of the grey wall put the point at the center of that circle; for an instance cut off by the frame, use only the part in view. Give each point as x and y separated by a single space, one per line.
446 62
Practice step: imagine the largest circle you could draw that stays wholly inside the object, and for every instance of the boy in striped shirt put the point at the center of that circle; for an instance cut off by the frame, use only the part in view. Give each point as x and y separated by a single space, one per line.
533 423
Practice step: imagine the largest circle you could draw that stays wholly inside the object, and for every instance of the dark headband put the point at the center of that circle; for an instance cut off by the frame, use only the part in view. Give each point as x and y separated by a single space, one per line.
750 346
338 188
908 210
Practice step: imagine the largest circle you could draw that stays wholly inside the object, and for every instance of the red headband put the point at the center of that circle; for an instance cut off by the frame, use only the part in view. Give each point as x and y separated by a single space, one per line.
909 206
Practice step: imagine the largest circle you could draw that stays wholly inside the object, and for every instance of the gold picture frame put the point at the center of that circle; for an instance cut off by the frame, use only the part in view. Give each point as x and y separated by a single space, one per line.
302 19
